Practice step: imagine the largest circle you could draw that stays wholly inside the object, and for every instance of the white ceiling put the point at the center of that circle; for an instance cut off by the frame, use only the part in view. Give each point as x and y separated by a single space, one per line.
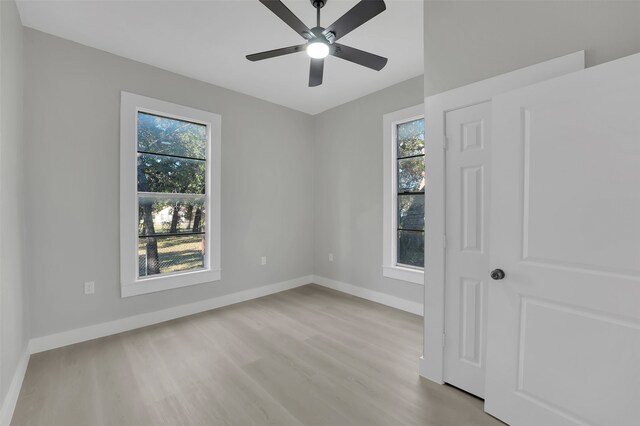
208 41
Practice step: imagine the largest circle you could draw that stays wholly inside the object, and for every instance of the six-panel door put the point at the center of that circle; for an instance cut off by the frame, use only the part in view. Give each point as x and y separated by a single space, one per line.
468 156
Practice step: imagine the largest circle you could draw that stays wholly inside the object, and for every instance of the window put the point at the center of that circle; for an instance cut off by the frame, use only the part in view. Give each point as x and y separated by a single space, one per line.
404 182
169 195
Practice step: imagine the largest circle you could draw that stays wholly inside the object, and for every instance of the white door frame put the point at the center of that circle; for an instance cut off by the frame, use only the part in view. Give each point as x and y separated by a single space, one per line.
436 106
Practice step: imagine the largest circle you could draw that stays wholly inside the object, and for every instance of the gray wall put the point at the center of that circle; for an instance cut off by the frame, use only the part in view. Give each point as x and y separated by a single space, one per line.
348 190
13 290
72 100
295 187
468 41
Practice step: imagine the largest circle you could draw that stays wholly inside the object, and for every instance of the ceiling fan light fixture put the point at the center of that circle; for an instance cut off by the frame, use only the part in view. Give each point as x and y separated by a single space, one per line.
318 50
321 42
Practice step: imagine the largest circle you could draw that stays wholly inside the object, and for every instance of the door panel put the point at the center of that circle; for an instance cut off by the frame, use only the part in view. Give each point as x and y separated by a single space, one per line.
553 365
554 222
471 306
563 339
472 201
467 164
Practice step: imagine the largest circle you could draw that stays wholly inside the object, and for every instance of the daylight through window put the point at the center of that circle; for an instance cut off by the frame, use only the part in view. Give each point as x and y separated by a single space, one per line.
410 193
172 162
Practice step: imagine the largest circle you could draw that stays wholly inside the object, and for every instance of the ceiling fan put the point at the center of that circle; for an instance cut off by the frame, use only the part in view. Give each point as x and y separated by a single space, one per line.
321 42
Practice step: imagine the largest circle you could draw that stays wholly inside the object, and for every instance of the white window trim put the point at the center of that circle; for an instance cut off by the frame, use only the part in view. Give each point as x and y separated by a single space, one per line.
390 268
131 285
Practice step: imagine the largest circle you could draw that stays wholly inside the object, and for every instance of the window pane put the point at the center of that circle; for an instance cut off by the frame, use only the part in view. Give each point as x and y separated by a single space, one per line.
410 138
170 174
411 175
411 248
411 211
169 136
170 215
161 255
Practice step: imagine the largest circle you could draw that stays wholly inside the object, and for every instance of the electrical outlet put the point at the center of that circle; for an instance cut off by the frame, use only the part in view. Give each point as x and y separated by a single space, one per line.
330 257
264 260
89 287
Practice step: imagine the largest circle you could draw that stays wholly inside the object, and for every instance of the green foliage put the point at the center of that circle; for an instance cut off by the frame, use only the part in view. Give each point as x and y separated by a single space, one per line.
171 161
171 175
160 135
411 248
410 137
411 212
410 140
186 211
411 178
169 136
411 175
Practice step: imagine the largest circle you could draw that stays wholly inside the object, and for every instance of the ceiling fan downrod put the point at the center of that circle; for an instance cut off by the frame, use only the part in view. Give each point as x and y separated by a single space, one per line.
318 4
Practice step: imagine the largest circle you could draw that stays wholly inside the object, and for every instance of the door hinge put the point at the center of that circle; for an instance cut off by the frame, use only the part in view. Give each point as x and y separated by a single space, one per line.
444 241
445 142
443 339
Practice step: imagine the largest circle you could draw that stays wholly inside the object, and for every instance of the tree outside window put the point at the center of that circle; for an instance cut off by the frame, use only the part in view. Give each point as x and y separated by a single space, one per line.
410 193
171 162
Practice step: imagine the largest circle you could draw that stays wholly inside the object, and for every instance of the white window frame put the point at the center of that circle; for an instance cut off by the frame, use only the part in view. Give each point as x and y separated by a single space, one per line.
390 267
131 285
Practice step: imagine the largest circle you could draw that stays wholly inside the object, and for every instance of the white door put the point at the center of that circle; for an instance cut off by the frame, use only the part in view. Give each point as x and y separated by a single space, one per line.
563 336
468 157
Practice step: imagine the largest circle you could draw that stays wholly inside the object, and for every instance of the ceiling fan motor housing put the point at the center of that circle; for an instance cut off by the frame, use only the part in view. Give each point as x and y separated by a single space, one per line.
318 3
320 35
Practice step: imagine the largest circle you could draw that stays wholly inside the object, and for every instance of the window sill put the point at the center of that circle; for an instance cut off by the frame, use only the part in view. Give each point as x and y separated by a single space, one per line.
411 275
168 282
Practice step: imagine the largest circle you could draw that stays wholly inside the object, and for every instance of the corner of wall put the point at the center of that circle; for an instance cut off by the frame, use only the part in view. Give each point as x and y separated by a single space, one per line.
14 291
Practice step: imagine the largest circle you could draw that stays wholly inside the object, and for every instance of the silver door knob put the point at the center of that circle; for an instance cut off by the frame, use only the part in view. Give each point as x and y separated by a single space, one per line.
497 274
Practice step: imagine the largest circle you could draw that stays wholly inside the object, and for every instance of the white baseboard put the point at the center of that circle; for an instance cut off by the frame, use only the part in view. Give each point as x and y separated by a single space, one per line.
372 295
45 343
10 400
65 338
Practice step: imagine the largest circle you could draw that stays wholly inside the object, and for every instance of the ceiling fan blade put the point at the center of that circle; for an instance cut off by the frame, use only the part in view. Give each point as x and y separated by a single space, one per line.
283 12
358 56
275 52
315 72
356 16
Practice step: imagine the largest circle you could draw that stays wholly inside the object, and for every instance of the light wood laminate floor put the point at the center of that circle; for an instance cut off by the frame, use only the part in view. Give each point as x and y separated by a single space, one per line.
309 356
